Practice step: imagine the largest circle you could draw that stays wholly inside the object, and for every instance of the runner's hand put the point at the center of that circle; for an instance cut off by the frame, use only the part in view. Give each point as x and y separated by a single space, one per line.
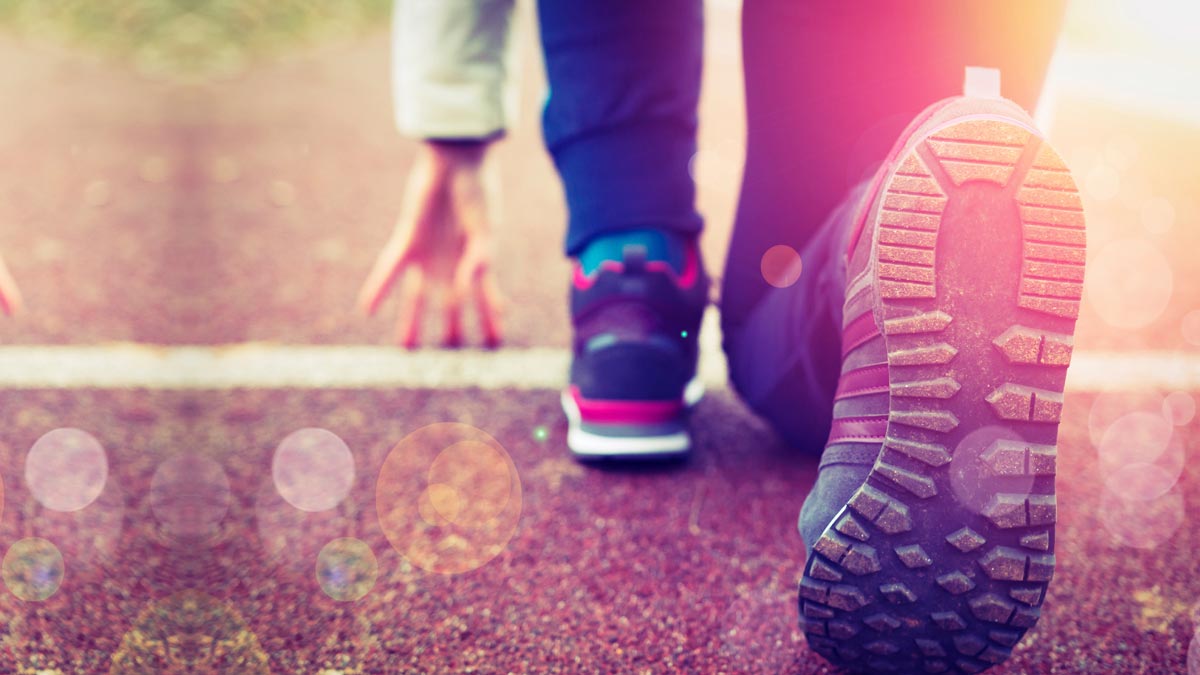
10 295
442 241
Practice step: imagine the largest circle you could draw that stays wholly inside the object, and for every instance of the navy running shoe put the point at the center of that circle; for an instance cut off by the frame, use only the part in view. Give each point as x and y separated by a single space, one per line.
633 372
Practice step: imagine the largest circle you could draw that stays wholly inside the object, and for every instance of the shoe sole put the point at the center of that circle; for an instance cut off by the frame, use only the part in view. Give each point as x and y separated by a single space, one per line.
591 441
941 560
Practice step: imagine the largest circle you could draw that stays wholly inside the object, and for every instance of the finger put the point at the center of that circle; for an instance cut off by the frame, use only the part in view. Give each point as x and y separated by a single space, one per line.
468 275
452 312
412 306
424 199
387 269
490 304
10 296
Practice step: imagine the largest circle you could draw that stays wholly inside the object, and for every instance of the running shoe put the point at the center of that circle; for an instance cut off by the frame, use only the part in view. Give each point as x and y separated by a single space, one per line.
633 372
965 275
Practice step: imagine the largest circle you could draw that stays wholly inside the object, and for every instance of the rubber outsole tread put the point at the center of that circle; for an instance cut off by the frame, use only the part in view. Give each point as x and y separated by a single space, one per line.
959 517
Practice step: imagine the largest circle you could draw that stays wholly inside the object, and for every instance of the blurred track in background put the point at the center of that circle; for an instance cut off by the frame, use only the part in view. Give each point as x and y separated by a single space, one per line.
215 209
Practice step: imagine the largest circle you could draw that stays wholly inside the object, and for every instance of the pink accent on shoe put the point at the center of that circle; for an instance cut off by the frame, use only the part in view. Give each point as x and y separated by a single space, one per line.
864 429
584 281
613 411
858 332
872 379
691 268
685 279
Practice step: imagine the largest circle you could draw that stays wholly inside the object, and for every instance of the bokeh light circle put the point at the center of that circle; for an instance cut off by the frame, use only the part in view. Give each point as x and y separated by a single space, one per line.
1120 152
780 266
282 193
155 169
313 469
97 193
224 169
1179 408
1191 327
33 569
1158 215
1103 182
346 569
189 496
1141 437
971 475
1137 523
66 469
448 498
1140 481
1129 283
1108 407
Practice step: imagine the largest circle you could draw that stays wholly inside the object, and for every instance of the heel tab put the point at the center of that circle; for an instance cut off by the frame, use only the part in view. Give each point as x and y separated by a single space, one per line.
634 257
980 82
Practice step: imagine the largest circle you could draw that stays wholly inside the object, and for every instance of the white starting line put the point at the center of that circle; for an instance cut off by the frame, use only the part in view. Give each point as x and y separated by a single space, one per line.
265 365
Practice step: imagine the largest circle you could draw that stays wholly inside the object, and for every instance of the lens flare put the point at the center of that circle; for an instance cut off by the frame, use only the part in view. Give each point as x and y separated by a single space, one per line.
1191 327
1140 481
1129 283
975 464
1144 524
448 498
66 469
1108 407
33 569
97 193
1179 408
282 193
223 170
1158 215
780 266
155 169
1103 182
313 469
1141 438
346 569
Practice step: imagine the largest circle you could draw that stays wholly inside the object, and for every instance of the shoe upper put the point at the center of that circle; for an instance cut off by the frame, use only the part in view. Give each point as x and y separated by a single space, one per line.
636 323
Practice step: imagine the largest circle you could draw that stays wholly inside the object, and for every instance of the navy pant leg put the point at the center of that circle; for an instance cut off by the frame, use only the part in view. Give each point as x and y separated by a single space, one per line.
784 354
620 121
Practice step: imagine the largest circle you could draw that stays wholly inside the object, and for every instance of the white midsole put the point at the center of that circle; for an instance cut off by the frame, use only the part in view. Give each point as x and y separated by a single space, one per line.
585 443
693 392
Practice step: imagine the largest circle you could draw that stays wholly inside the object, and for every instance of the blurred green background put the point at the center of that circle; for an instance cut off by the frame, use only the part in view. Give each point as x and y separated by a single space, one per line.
189 38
